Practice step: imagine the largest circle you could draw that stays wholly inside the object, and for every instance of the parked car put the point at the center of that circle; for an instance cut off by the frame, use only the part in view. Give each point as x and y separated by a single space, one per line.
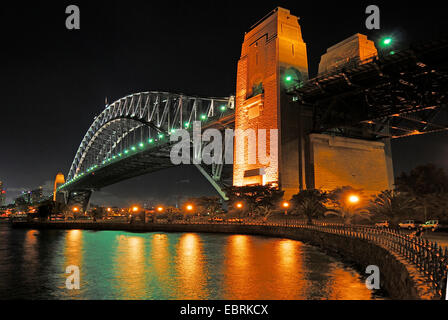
408 224
432 225
382 224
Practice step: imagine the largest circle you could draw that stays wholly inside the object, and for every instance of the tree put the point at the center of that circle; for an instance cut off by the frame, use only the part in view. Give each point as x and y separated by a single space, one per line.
254 196
310 203
348 203
423 184
391 205
208 205
45 210
97 213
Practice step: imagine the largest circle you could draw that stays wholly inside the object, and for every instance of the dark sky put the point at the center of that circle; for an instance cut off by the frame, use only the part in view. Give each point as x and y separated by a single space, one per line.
54 81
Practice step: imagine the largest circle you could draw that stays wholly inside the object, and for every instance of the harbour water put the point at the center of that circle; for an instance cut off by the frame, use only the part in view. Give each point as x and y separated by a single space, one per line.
125 265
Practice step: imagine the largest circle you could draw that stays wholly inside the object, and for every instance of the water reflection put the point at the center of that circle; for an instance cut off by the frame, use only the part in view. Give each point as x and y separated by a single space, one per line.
288 269
190 267
73 248
130 272
123 265
343 286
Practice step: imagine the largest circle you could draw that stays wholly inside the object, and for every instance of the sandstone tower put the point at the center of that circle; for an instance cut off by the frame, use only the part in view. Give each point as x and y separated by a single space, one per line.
273 57
273 54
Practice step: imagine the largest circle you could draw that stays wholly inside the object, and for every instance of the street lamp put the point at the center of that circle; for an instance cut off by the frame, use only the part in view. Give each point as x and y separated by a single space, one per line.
239 205
75 209
353 199
159 209
285 205
134 208
189 207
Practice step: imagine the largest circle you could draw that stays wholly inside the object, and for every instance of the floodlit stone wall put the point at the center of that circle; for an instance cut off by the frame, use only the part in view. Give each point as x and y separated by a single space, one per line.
339 161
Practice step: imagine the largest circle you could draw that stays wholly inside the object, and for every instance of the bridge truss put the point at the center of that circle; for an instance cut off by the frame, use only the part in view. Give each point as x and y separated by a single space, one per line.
130 137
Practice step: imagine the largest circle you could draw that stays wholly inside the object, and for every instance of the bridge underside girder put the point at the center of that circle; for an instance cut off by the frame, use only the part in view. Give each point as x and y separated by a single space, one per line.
79 199
391 97
132 166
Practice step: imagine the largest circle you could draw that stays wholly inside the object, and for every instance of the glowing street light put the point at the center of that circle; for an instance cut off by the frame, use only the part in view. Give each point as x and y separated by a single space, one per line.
159 209
75 209
353 199
135 208
189 207
285 205
239 205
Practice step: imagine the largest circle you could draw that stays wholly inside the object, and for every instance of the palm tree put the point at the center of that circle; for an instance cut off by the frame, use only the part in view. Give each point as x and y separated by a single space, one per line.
391 205
310 203
348 203
264 211
254 196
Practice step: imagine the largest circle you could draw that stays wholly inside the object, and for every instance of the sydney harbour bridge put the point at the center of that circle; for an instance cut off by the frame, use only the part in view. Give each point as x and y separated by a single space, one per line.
388 95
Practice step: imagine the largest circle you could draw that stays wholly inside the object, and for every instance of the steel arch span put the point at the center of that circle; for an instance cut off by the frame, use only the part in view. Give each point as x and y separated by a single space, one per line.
130 137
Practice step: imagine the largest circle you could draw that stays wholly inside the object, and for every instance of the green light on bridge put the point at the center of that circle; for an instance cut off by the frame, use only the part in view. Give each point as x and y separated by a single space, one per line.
288 78
203 117
150 140
186 124
387 41
141 144
133 148
223 108
126 151
160 135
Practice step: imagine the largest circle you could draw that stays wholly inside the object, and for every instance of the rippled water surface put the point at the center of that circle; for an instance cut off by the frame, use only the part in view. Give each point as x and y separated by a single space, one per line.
124 265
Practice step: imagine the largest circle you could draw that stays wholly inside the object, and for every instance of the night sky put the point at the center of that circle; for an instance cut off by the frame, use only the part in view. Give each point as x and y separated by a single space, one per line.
53 81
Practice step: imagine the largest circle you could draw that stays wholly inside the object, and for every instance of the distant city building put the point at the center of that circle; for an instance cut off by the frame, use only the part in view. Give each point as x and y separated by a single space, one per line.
36 195
30 197
2 195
